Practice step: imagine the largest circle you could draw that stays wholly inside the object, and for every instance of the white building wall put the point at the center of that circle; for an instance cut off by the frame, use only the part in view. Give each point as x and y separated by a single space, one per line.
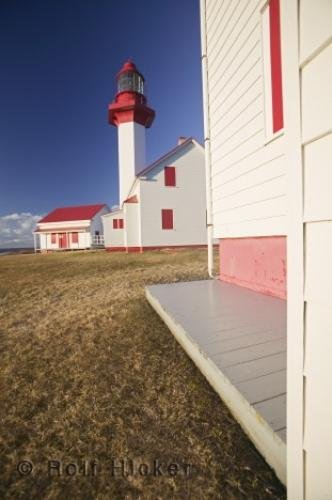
187 200
84 239
307 30
252 197
131 152
248 168
131 221
316 107
113 237
97 223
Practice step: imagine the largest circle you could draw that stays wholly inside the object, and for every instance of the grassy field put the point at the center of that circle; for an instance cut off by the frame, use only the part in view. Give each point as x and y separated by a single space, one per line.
90 373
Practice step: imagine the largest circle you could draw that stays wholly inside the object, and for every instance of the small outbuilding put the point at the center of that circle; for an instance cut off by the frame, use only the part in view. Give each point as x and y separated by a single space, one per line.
71 228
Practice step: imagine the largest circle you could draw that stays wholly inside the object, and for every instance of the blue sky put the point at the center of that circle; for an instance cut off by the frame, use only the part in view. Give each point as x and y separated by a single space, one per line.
58 61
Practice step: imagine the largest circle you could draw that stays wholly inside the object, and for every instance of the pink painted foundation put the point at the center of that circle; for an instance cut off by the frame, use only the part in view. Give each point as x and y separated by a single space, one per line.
255 263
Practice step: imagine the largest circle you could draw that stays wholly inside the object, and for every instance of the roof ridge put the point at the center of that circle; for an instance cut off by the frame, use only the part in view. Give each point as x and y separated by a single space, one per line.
73 212
164 156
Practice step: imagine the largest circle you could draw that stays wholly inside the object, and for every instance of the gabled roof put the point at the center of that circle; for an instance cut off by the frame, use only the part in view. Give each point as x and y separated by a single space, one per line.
170 153
165 156
81 212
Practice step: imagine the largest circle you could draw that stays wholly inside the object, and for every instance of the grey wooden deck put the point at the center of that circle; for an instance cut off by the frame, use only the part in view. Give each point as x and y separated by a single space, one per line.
237 338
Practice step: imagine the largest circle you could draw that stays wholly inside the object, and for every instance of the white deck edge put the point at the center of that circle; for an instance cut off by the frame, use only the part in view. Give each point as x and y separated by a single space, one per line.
268 443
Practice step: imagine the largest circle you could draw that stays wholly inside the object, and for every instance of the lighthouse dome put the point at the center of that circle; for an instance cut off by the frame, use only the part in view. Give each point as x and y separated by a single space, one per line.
130 79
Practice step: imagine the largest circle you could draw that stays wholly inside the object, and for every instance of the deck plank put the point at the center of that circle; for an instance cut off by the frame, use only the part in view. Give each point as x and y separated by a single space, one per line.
264 387
241 336
273 411
253 369
249 353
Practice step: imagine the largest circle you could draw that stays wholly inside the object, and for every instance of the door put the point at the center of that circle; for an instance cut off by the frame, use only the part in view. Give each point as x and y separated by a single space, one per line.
62 240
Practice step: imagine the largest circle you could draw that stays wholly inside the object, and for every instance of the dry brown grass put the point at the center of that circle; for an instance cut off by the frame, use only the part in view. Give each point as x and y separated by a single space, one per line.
89 371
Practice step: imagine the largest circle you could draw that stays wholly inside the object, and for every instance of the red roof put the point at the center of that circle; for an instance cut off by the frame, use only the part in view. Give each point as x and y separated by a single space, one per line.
129 66
82 212
131 199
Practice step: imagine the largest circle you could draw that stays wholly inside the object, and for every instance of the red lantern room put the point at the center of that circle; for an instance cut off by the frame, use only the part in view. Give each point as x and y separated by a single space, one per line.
130 104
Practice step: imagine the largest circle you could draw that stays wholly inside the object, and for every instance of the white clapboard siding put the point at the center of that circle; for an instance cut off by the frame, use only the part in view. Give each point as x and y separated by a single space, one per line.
234 136
230 48
231 146
247 173
259 177
232 113
225 130
248 65
244 152
233 83
252 210
262 190
250 227
243 167
234 34
235 55
217 15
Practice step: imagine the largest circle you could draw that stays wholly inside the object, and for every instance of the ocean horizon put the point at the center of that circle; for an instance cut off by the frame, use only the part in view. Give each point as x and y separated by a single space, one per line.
4 251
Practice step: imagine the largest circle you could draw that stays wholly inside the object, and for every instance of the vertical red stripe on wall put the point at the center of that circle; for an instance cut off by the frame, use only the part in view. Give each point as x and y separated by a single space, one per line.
276 74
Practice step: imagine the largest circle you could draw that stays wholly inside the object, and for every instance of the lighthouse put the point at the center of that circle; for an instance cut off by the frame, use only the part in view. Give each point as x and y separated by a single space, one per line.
131 115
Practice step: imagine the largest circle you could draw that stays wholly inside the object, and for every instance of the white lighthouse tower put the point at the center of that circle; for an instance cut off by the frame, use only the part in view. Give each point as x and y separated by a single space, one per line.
131 115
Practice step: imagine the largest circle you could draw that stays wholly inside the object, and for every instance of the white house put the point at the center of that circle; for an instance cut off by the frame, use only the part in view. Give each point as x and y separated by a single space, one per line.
165 205
264 337
71 228
161 205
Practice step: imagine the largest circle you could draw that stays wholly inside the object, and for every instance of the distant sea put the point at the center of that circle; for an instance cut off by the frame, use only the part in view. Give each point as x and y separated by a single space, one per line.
4 251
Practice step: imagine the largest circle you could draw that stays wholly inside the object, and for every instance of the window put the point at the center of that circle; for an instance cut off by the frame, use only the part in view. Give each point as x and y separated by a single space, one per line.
274 120
167 218
53 238
118 224
169 173
131 82
74 237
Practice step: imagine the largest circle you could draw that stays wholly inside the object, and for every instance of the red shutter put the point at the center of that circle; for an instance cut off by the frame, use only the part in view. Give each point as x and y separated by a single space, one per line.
53 238
276 77
74 237
120 223
169 173
115 223
167 218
